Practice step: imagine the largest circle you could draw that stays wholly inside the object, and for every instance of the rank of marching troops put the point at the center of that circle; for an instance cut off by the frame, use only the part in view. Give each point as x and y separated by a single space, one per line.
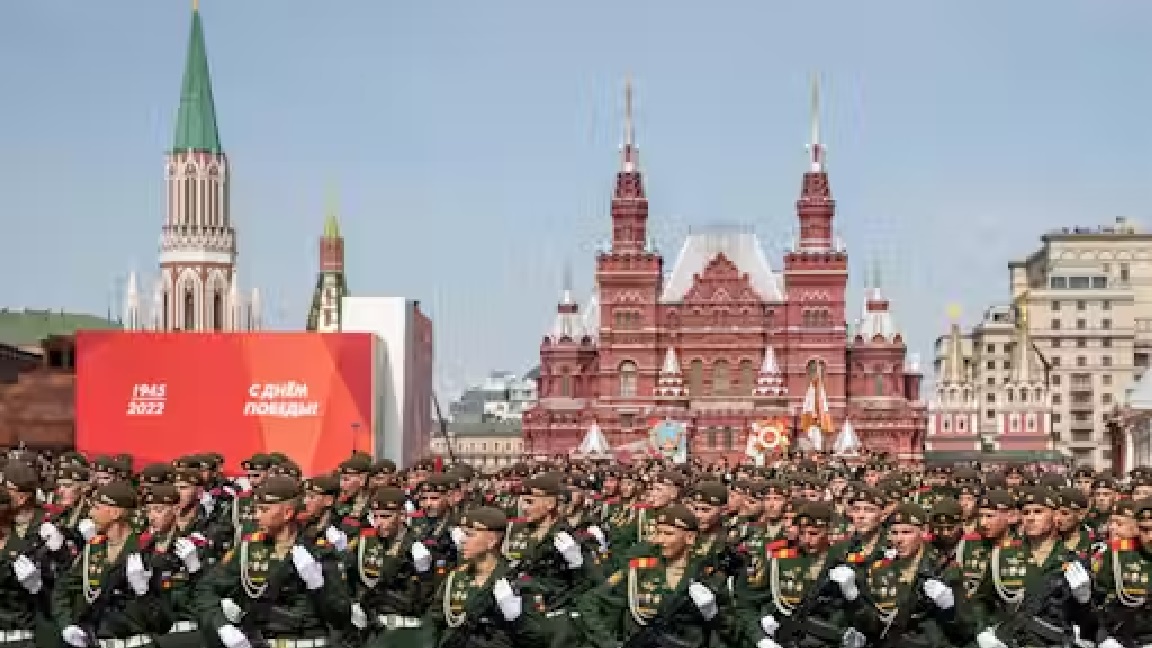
810 553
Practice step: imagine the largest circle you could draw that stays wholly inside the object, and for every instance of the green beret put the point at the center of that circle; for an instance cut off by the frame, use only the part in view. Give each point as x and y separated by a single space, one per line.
1038 495
384 467
120 494
794 504
286 468
1083 472
1124 508
996 498
546 485
359 464
72 458
187 476
613 471
162 494
670 477
1072 498
72 472
277 458
995 480
909 513
946 511
464 471
1104 482
387 499
776 487
710 492
276 489
1054 481
1144 509
817 514
484 518
965 475
256 463
869 495
679 516
105 464
323 485
21 477
582 482
155 473
425 465
440 483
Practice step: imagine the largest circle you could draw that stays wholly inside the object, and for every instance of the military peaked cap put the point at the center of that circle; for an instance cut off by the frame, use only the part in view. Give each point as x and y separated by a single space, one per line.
120 494
387 499
277 489
162 494
484 518
679 516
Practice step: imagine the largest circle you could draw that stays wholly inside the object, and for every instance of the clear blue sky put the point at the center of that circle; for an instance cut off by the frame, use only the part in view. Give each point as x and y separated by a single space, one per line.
473 144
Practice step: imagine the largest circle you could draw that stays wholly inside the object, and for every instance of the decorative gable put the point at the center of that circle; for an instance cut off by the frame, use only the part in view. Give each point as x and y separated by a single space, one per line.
721 281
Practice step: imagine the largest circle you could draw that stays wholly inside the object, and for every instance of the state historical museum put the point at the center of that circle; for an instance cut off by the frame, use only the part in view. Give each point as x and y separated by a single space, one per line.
724 346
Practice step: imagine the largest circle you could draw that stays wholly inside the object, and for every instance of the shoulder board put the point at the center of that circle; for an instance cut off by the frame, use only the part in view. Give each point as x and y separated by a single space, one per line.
144 539
1123 544
641 506
778 544
350 521
416 514
880 564
972 536
517 520
254 537
855 558
368 532
1010 543
616 578
53 509
244 494
97 540
786 553
227 556
642 563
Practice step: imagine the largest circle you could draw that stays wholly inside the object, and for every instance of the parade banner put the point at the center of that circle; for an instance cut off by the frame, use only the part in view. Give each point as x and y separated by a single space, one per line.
162 395
767 437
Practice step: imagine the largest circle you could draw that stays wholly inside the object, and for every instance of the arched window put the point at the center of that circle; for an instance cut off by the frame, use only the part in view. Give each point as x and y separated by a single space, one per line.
189 201
696 378
628 377
878 385
217 311
747 377
189 310
720 378
565 383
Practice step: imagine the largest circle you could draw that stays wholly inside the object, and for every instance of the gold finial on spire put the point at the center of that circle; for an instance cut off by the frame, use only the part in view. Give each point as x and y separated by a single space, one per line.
331 209
954 312
195 5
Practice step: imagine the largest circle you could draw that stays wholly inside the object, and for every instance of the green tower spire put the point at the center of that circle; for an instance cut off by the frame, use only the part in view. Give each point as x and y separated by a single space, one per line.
196 121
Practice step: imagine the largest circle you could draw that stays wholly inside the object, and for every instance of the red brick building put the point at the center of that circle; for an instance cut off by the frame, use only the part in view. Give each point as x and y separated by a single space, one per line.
723 340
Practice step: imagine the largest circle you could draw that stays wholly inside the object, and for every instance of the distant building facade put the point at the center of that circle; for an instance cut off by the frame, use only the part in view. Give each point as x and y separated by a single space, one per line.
485 445
503 396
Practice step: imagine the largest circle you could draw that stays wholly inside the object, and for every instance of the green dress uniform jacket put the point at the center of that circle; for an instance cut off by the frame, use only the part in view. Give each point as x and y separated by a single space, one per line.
20 611
247 575
780 580
555 584
893 610
125 615
464 614
383 580
638 596
1123 574
174 579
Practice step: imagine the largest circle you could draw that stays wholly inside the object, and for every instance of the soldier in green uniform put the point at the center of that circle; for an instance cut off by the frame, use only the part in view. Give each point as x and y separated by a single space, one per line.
152 475
785 598
23 609
868 508
1035 591
1123 572
177 561
242 512
663 595
109 593
1069 520
633 537
352 503
274 587
913 596
319 518
476 606
388 571
1104 497
993 507
433 525
70 501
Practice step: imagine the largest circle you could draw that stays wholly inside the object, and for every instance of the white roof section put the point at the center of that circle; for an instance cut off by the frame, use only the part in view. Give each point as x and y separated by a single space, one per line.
847 443
741 248
594 444
591 320
875 322
1140 393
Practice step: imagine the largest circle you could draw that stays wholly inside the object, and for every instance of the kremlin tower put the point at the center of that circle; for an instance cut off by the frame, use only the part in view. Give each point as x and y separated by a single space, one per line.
331 286
197 289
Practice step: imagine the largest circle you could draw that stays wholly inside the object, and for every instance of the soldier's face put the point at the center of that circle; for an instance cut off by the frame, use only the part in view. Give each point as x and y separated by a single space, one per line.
68 492
103 515
351 483
774 505
272 517
610 485
478 543
188 494
161 516
673 541
661 494
432 502
1146 534
1105 498
1084 485
906 539
707 514
865 516
1036 520
813 538
1141 492
967 505
1121 527
993 522
536 507
386 522
1065 520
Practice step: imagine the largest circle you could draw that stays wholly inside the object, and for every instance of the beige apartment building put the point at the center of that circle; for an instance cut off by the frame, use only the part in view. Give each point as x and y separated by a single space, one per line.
1088 294
486 445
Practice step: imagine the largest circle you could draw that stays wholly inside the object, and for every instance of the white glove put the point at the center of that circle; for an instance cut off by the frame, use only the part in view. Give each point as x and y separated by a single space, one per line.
359 619
243 484
231 637
74 636
988 639
1109 643
458 537
767 643
229 491
598 533
137 575
769 625
232 612
409 507
51 536
207 501
187 553
846 579
568 548
704 599
940 594
510 605
421 559
853 638
309 570
28 574
87 529
338 538
1079 581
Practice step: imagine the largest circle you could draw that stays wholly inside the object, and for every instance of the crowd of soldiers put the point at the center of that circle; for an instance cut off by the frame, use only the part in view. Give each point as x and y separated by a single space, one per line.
811 552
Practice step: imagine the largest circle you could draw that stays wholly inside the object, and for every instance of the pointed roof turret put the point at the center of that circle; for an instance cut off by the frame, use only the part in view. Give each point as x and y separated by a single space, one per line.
331 220
769 382
670 382
629 184
568 324
815 208
954 360
1022 350
196 121
876 318
815 148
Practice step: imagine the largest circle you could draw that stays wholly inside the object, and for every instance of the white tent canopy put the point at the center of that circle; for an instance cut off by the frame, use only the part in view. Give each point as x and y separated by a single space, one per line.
594 444
847 443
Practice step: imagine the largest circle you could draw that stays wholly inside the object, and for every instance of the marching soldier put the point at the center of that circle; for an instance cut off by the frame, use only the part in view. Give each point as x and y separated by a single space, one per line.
1123 573
177 560
476 605
432 524
273 588
109 593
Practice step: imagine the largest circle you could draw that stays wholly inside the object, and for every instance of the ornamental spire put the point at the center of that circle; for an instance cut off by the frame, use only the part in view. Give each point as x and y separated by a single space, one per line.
196 121
815 148
630 155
